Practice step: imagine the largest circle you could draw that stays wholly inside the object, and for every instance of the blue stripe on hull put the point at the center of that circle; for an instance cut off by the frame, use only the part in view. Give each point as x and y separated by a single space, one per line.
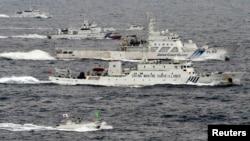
197 54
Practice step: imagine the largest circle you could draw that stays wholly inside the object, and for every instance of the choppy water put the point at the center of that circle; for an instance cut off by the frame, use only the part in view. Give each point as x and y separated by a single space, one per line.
30 107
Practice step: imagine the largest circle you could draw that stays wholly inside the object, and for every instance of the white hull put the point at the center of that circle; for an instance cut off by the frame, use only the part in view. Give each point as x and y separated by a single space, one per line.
32 14
72 126
79 36
146 78
218 53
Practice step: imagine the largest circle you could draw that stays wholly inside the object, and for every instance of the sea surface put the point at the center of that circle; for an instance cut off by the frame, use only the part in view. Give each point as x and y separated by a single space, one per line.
30 107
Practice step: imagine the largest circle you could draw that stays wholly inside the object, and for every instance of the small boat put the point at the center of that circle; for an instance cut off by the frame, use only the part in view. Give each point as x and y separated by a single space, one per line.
146 73
68 123
77 123
32 13
88 30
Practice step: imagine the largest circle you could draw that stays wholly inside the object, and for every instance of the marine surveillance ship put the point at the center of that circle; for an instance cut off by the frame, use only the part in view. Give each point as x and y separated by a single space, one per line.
88 30
159 45
32 13
71 123
144 74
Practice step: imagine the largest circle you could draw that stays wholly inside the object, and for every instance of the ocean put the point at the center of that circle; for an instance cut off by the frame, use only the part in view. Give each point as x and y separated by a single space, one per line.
30 107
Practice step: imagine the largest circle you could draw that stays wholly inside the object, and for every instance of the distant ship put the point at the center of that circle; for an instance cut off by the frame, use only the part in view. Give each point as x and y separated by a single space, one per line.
88 30
145 73
32 13
159 45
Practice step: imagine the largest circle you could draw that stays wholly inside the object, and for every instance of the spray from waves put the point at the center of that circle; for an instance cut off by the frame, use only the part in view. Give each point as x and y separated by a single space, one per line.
32 127
4 16
30 36
31 55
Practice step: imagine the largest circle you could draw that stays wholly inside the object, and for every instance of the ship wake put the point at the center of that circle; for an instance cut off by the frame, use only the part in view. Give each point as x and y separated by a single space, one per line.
33 127
26 36
31 55
4 16
21 80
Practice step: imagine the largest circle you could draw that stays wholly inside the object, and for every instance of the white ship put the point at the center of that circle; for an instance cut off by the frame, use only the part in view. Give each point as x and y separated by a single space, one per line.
32 13
88 30
160 45
145 74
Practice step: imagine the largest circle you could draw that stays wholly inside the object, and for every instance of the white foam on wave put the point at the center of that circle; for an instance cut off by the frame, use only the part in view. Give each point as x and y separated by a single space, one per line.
4 16
31 55
31 127
19 80
30 36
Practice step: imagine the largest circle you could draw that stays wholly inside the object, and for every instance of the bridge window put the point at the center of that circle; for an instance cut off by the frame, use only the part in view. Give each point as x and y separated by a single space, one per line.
164 49
175 49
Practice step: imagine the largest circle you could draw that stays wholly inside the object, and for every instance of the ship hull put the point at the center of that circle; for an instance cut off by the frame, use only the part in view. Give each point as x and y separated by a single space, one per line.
72 126
80 36
138 53
146 78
